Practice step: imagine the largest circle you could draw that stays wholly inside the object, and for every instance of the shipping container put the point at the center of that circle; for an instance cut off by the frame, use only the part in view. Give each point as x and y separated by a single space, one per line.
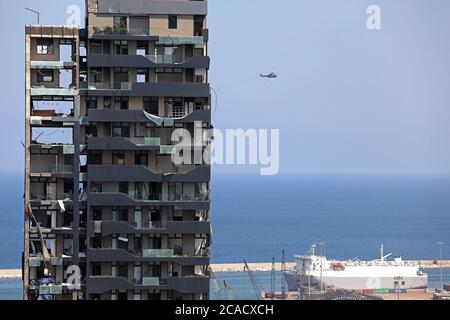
381 291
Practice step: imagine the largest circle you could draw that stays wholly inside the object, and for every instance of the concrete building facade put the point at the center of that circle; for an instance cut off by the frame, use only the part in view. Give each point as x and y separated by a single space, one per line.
103 197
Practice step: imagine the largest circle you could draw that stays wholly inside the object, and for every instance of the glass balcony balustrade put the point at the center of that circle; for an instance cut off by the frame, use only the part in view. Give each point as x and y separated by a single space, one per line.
165 59
62 168
180 40
124 86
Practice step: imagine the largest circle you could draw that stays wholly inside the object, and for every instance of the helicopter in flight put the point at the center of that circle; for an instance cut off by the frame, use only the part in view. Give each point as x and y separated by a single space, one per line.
271 75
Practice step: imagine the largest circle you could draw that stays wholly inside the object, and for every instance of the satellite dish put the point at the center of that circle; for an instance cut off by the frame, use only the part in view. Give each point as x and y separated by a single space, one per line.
107 102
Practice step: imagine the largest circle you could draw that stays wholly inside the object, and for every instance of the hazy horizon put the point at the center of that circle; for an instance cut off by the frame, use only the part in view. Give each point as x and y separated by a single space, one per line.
347 100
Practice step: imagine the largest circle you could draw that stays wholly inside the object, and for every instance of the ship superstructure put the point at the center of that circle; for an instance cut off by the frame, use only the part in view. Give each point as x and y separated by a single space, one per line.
313 270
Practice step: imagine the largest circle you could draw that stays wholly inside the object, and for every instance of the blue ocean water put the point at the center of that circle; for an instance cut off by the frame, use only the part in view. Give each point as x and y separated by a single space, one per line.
11 220
255 218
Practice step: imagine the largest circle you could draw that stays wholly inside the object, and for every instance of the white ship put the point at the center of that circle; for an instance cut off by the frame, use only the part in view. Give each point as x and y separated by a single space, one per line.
316 271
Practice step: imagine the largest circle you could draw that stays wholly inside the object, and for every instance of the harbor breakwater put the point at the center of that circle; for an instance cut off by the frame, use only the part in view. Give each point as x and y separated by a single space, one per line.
256 267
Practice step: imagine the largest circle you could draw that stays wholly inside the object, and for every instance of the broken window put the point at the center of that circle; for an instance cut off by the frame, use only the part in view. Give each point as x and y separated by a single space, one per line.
142 75
123 187
118 158
45 46
120 77
91 102
121 103
151 105
96 47
173 22
45 75
96 187
95 158
97 214
142 48
121 130
141 191
96 75
141 158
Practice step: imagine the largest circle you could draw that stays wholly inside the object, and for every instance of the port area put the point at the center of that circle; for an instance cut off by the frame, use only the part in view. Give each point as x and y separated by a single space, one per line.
257 267
267 267
409 295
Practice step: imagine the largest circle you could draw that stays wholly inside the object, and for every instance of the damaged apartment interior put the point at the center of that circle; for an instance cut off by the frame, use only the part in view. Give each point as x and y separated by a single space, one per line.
104 203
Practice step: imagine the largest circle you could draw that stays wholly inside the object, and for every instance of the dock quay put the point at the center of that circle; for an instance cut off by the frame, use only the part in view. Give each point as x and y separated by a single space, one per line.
410 295
255 267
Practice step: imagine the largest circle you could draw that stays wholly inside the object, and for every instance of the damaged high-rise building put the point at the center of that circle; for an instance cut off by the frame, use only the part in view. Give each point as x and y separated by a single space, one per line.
108 214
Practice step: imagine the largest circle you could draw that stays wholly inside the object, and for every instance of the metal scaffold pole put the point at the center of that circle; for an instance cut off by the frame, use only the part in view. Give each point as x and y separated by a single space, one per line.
283 270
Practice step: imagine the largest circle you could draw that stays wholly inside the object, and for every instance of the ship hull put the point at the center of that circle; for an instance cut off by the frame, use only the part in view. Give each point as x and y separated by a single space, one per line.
295 280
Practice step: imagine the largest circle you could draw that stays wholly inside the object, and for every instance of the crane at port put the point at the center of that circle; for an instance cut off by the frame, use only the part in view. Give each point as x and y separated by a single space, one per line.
227 286
272 280
283 271
253 280
218 291
215 285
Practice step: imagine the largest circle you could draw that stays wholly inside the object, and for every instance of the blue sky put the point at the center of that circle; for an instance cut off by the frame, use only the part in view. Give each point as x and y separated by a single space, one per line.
347 100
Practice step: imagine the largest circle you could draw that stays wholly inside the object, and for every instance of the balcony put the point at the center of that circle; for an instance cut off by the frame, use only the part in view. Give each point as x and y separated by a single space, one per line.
50 232
147 61
62 169
158 253
66 197
51 289
54 65
42 91
119 30
190 284
120 199
37 261
122 143
102 284
180 40
123 86
108 173
138 116
142 89
193 284
106 228
55 170
150 255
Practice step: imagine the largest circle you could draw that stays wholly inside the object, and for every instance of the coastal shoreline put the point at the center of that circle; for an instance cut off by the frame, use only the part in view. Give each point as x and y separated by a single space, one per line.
239 267
10 274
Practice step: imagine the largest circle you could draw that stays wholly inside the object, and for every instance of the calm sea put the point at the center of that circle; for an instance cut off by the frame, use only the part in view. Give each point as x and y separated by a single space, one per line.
255 218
